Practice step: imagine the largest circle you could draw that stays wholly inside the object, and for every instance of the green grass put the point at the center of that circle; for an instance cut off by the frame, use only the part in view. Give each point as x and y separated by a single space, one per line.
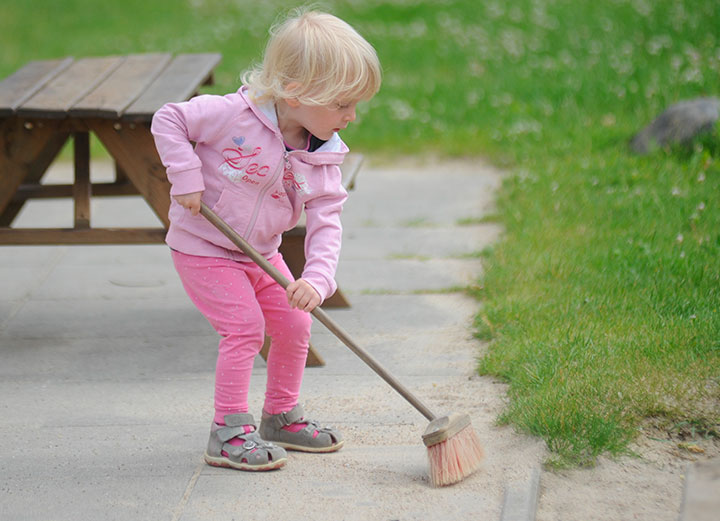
601 301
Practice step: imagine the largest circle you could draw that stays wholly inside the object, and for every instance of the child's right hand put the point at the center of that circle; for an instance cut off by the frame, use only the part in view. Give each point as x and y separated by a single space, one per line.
190 201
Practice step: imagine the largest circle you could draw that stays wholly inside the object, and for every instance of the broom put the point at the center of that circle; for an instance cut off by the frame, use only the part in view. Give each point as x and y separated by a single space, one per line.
453 446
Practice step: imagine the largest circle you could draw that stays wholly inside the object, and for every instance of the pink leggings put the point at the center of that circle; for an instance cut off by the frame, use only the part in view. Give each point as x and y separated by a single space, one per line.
242 303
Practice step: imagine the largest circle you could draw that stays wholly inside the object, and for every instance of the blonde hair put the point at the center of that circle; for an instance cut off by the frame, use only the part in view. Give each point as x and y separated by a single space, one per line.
317 59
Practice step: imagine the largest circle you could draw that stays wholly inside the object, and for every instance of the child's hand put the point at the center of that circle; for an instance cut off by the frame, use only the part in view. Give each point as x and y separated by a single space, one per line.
190 201
302 295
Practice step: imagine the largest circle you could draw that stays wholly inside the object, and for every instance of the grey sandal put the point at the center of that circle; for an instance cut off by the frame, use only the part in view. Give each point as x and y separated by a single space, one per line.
312 438
254 454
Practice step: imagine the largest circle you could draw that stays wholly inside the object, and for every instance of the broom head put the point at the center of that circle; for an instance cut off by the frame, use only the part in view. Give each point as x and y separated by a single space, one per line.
454 449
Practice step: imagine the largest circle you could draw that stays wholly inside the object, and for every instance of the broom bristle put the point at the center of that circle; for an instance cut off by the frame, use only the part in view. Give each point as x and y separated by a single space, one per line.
455 458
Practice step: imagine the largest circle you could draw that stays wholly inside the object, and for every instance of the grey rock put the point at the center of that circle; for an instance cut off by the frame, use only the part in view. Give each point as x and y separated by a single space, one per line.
678 124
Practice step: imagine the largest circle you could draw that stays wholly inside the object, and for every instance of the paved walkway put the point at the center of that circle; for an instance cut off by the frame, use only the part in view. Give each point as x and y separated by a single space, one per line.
106 371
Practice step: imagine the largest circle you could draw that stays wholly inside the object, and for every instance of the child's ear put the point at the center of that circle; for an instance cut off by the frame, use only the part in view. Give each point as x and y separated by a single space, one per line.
292 102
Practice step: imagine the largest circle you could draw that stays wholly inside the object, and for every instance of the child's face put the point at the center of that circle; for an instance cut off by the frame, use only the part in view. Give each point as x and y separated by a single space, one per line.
323 121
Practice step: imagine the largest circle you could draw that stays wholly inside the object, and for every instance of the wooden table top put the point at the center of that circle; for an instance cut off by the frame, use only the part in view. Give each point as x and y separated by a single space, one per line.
128 88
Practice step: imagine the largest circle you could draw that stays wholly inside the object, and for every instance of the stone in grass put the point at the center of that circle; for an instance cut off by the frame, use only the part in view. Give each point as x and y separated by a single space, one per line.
679 124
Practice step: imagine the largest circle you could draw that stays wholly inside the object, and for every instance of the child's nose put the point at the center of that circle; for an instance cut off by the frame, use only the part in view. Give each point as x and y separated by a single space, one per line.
350 115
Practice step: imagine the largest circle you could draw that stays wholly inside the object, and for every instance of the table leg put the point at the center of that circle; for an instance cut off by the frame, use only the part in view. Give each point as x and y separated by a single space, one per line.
133 148
81 187
28 150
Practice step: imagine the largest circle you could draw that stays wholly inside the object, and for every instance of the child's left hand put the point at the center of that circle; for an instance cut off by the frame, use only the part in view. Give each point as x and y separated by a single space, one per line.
302 295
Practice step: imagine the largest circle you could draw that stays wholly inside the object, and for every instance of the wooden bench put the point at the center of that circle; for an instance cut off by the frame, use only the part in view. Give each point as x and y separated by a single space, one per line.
46 103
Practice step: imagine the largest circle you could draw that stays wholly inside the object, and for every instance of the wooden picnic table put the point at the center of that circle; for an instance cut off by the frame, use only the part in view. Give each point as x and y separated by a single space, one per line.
45 103
48 102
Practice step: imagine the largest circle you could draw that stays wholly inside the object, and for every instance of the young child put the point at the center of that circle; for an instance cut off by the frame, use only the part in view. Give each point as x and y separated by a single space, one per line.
260 157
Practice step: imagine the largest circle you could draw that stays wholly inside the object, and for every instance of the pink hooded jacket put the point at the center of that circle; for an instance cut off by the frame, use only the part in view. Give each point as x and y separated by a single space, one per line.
247 177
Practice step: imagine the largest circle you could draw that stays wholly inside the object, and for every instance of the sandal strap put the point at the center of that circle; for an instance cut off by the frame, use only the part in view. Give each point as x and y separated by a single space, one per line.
239 419
251 441
235 426
237 451
287 418
314 425
228 433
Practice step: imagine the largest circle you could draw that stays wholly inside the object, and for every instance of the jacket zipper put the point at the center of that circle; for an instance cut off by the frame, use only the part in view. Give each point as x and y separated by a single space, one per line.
261 197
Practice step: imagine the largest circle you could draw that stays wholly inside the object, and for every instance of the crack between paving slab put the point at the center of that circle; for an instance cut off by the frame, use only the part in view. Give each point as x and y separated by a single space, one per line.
180 508
25 298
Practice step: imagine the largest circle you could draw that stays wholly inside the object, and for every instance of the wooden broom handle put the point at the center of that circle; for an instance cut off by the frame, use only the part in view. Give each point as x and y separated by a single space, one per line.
318 312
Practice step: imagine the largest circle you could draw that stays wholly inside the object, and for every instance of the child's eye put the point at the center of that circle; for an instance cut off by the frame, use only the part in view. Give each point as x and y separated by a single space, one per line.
341 106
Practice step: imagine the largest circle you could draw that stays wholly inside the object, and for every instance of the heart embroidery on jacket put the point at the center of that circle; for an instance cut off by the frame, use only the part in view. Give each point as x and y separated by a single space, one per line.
238 140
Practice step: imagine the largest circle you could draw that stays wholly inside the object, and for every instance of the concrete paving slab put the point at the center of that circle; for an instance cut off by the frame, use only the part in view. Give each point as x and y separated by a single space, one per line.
418 193
520 501
441 352
44 403
381 242
7 309
19 281
98 359
157 255
29 257
110 281
95 472
407 275
384 313
115 318
82 496
700 496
